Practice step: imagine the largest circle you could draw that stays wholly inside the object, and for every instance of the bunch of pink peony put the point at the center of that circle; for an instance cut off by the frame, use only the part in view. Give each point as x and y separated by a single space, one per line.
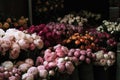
13 41
105 41
9 72
59 60
105 59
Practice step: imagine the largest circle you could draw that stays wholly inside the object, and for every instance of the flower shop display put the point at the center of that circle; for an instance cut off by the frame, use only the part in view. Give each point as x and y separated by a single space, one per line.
22 22
112 28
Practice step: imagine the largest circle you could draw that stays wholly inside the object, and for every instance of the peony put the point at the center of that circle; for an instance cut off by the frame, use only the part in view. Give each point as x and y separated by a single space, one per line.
29 61
24 67
23 44
70 67
41 67
27 76
52 64
7 64
43 73
19 35
103 62
39 43
33 70
39 60
13 78
50 56
51 73
61 67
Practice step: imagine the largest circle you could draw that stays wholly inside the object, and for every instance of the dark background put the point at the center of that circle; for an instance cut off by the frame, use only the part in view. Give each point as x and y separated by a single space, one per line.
17 8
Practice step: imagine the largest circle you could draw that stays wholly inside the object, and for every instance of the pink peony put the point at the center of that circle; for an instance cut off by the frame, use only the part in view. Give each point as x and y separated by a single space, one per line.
27 76
13 78
82 58
70 67
103 62
50 56
29 61
23 44
24 67
61 67
39 61
39 43
88 60
83 52
52 64
33 70
76 53
41 67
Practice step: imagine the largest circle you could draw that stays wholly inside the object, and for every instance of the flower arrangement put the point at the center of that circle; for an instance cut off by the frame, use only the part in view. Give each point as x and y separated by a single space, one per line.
53 33
105 41
105 59
13 42
58 60
81 41
14 23
110 27
72 19
9 72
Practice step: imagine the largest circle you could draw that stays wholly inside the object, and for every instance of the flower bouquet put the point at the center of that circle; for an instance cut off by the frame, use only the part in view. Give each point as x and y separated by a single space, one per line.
112 28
